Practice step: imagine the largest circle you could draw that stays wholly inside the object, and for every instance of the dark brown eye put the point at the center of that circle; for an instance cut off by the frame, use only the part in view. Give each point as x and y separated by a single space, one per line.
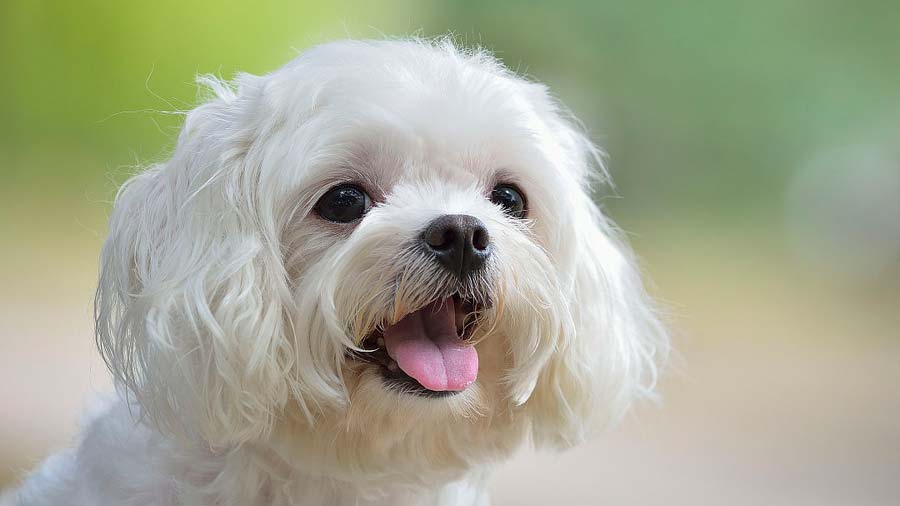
510 199
343 204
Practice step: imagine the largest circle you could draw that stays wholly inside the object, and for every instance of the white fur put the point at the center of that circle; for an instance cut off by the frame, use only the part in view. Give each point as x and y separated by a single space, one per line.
226 306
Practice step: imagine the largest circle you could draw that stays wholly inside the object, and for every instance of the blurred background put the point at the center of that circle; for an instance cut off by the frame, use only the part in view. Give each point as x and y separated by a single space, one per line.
756 149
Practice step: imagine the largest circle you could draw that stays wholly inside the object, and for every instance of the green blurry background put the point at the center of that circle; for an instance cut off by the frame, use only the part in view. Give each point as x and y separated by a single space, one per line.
756 151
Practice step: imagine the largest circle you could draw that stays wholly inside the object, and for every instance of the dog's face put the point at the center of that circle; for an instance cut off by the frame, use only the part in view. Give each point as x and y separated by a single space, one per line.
382 240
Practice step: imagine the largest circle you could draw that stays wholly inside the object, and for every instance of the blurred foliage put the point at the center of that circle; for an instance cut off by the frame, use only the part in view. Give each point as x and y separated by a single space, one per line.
101 80
704 107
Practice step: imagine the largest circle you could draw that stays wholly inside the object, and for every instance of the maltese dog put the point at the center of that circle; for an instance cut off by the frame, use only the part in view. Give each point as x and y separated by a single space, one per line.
365 278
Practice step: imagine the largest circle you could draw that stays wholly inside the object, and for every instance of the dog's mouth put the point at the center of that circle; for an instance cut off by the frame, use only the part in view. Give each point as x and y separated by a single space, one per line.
428 352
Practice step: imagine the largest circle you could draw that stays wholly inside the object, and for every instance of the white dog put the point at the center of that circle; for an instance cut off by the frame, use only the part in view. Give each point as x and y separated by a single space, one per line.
364 278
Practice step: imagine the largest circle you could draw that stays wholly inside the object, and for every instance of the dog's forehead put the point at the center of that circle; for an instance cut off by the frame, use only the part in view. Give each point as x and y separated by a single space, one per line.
398 111
461 125
460 134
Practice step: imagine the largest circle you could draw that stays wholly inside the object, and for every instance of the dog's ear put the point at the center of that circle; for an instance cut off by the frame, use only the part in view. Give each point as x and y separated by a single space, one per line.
193 301
610 340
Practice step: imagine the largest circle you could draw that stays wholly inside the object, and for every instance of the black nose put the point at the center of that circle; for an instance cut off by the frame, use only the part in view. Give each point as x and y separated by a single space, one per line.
459 242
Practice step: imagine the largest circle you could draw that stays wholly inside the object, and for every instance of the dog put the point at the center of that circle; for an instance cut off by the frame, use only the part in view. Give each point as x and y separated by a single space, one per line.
364 278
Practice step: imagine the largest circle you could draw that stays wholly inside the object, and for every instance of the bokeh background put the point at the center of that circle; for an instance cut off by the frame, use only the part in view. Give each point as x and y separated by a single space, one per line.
756 148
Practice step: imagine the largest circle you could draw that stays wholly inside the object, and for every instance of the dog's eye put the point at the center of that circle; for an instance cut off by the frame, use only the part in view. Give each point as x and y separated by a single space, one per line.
343 204
510 199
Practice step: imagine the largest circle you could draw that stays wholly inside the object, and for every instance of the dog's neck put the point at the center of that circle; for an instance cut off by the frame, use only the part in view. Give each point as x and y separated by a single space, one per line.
265 473
258 475
145 466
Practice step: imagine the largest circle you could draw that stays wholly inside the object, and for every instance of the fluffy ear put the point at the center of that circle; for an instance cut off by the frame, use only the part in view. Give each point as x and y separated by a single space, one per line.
608 351
193 301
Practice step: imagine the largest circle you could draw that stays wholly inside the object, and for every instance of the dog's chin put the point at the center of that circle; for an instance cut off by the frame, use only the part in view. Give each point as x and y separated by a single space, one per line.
428 353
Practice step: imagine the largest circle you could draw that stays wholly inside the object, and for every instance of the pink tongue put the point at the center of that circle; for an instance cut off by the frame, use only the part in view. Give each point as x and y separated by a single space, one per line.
426 347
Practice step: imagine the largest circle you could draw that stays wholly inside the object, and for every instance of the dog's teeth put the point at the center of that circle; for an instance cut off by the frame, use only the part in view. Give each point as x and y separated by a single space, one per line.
380 342
392 366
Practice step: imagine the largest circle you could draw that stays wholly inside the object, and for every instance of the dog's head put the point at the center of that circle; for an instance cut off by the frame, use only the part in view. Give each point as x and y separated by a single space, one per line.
383 237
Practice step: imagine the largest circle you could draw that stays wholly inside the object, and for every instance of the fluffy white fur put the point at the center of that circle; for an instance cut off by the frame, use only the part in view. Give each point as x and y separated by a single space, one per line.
226 306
